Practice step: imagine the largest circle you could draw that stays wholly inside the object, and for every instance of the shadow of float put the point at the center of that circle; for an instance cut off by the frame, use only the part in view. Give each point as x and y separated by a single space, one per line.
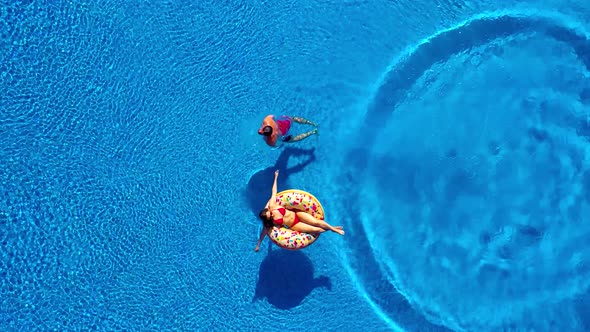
259 186
285 278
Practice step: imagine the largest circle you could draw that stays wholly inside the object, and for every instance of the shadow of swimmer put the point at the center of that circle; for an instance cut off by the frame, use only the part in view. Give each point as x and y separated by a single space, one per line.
259 186
285 278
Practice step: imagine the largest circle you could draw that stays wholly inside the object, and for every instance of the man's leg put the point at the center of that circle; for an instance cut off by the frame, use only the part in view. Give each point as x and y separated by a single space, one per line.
304 121
301 136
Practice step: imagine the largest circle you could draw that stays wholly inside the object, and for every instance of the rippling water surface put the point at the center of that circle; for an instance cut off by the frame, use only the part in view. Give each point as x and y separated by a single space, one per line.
453 148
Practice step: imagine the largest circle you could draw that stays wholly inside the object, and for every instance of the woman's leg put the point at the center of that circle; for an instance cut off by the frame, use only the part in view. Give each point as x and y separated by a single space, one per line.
310 220
305 228
302 120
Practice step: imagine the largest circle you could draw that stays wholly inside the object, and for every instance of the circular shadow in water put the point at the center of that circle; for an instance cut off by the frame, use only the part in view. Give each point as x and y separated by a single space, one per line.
477 183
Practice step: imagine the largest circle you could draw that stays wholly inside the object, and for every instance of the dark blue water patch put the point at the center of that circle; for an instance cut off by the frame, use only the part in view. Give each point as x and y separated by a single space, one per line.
399 177
444 45
586 186
571 37
485 237
494 148
582 306
286 277
585 96
452 153
258 189
359 157
528 235
583 128
538 134
574 212
460 183
505 252
490 275
442 249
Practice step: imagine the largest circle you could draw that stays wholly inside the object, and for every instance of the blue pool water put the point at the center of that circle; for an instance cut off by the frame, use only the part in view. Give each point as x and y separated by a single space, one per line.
453 148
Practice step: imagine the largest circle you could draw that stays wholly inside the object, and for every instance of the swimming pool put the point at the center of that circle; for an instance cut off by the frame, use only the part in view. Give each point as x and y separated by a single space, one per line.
453 148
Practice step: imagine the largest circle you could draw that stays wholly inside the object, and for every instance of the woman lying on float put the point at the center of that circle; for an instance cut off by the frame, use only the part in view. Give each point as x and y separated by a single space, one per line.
293 219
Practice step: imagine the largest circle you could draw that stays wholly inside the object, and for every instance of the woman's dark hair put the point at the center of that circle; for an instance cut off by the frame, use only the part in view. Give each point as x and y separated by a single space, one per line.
268 222
267 131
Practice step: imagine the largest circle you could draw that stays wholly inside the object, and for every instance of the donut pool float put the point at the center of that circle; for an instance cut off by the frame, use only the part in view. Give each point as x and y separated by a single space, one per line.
296 200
